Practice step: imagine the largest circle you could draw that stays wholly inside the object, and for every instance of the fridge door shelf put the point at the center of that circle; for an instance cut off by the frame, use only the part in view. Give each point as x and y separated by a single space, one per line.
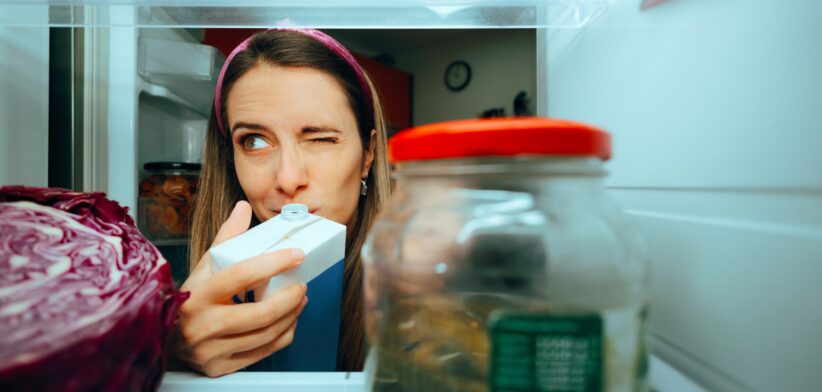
187 97
162 60
182 72
304 13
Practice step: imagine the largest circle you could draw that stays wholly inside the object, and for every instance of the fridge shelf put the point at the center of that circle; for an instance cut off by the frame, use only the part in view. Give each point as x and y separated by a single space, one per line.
663 377
257 381
303 13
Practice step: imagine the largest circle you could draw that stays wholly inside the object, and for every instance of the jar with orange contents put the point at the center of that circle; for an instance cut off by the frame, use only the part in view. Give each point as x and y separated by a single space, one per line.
166 198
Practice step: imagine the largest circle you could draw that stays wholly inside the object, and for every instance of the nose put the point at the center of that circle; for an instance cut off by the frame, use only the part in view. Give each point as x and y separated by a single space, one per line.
291 173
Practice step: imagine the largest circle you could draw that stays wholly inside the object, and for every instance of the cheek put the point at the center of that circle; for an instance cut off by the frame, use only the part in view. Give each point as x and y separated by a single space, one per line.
342 188
254 180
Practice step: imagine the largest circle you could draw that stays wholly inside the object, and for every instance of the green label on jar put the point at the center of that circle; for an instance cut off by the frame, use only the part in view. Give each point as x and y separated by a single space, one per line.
538 352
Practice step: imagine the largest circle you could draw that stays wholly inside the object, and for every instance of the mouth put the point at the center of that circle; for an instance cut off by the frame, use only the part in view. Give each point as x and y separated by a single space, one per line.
311 210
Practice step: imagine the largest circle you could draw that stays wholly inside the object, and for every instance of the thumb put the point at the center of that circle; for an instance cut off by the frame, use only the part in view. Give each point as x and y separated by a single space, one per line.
236 224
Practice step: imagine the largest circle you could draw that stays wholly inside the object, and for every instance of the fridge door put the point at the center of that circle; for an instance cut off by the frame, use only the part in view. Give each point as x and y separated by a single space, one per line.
715 112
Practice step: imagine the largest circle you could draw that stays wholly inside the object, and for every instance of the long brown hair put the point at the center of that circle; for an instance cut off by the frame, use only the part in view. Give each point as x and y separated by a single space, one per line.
219 188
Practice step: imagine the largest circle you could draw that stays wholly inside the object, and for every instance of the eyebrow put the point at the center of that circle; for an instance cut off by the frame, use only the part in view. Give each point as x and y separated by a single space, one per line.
254 126
305 130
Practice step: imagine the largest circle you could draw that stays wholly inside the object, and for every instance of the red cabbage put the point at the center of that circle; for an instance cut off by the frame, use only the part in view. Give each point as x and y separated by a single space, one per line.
86 303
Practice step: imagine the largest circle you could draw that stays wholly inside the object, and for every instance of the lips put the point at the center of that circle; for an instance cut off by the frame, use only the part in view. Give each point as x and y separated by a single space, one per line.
311 210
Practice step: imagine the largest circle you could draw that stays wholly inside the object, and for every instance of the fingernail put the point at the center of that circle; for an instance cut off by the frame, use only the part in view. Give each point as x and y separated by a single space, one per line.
297 254
305 286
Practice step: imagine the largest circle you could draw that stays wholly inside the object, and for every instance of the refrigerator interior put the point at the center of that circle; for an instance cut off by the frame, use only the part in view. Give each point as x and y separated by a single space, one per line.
713 106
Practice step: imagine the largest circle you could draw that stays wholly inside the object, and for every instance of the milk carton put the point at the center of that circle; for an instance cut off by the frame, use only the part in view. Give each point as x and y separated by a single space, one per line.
315 342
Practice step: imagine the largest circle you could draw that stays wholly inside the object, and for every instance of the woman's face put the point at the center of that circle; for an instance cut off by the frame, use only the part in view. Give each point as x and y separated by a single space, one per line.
295 140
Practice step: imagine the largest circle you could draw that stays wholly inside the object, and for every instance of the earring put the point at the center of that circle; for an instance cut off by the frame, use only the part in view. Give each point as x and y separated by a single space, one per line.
363 187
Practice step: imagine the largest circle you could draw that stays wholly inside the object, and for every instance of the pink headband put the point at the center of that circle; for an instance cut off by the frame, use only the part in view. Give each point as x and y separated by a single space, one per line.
324 38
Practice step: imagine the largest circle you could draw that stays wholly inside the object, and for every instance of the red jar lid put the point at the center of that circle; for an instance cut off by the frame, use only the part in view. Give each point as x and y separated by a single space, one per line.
506 136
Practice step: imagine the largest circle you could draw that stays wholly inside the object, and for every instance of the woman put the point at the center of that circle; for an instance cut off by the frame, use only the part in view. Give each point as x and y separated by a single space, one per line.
295 120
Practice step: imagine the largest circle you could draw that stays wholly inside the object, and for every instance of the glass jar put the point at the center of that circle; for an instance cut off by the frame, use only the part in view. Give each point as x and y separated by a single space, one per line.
165 200
501 263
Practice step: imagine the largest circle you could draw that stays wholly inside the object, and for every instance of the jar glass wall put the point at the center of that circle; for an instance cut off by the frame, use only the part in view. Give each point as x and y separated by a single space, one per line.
467 249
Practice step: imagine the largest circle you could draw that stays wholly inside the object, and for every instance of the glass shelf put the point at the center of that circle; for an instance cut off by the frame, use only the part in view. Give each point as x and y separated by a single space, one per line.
171 242
303 13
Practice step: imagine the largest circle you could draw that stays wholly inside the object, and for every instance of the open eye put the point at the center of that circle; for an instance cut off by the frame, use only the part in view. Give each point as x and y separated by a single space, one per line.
254 142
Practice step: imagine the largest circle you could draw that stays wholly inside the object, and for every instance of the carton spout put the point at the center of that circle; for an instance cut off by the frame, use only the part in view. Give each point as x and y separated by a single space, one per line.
293 212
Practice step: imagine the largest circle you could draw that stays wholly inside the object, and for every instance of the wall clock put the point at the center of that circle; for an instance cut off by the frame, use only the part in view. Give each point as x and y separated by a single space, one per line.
457 75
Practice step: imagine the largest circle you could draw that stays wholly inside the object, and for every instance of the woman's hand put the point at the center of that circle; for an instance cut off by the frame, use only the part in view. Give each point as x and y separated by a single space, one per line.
216 336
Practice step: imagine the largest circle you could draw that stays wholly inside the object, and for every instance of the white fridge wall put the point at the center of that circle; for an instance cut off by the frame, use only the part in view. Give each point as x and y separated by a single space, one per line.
24 105
715 112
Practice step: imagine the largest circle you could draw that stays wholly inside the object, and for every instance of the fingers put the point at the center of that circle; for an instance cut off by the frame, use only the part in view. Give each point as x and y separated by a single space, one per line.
258 353
257 315
210 355
236 224
240 318
249 272
240 360
259 337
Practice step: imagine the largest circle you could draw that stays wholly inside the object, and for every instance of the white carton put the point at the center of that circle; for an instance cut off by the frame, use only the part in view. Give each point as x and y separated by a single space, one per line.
322 240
